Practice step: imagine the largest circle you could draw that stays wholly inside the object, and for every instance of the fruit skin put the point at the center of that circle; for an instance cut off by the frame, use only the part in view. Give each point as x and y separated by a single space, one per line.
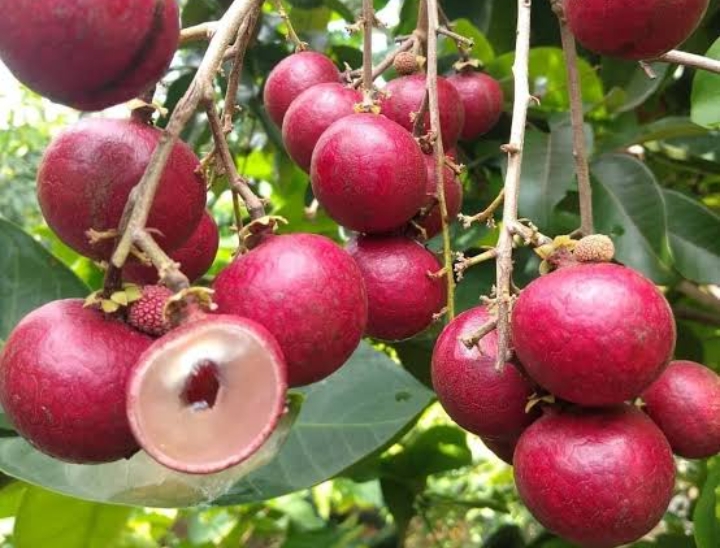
402 297
643 29
478 397
308 292
88 171
195 256
405 96
86 54
685 403
311 113
432 222
147 314
598 478
504 448
368 173
63 374
593 334
482 99
293 75
234 366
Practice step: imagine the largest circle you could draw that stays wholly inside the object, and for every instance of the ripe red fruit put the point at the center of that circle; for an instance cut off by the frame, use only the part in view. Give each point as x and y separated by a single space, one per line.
478 397
643 29
208 394
593 334
309 115
147 313
598 478
405 96
482 99
63 374
685 403
368 173
293 75
88 171
87 54
195 256
308 292
402 296
432 222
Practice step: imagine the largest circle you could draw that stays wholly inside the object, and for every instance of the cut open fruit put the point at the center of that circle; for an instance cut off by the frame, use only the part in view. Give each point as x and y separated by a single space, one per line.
207 395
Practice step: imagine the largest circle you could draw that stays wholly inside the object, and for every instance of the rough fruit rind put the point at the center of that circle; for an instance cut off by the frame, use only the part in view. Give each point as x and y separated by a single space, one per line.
593 334
147 313
63 374
248 401
368 173
599 478
308 292
87 54
402 296
685 403
293 75
642 29
88 171
478 397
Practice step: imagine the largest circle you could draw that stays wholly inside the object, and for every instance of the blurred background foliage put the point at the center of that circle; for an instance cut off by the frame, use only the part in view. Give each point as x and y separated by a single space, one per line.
656 190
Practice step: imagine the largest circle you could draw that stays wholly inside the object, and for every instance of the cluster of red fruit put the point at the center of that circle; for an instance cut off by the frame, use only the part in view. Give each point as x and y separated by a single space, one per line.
373 177
592 467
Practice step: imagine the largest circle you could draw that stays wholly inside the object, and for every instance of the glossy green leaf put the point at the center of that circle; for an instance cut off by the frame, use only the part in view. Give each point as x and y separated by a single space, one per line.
548 173
694 232
344 417
548 78
49 519
705 517
629 207
136 481
30 278
628 84
705 109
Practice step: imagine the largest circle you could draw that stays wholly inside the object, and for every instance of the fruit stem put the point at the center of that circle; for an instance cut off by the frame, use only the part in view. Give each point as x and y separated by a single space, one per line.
386 63
168 270
436 134
486 214
233 81
684 58
514 150
291 34
139 208
198 33
368 18
238 183
576 116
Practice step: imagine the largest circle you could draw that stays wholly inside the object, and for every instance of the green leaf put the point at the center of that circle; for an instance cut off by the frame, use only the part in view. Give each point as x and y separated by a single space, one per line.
547 175
694 238
705 109
628 84
344 418
548 78
30 278
49 519
136 481
482 49
629 207
705 517
341 9
10 497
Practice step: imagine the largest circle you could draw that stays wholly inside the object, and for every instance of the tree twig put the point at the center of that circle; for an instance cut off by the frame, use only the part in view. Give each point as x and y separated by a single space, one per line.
386 63
582 170
168 270
684 58
696 315
697 294
198 33
504 264
140 206
460 40
368 18
475 337
436 133
486 214
291 34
